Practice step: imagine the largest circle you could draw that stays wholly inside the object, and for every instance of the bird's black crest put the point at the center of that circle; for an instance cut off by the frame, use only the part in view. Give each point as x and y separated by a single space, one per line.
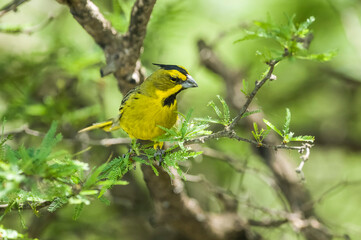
172 67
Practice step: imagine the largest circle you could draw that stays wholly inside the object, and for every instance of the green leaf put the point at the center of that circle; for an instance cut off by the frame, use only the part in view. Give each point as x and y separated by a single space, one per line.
93 178
111 182
248 113
303 139
104 200
49 141
245 86
259 135
286 126
305 25
224 117
321 57
21 218
272 127
226 113
89 192
184 126
57 203
107 184
255 133
170 131
216 109
7 209
77 211
154 170
210 120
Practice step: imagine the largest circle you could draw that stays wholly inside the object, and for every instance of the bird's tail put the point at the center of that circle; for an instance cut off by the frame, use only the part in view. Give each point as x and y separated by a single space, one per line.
107 126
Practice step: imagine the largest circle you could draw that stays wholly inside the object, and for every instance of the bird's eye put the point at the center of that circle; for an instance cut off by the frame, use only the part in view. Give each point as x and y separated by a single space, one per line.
173 79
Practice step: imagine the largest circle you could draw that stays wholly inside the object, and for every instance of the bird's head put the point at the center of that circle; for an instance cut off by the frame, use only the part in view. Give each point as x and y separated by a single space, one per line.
172 78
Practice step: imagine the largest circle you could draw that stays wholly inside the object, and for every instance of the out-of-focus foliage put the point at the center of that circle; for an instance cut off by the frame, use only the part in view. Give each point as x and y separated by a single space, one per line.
33 177
294 39
53 74
12 234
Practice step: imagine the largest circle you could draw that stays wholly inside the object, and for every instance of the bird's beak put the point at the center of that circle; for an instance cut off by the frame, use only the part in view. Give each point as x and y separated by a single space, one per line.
189 83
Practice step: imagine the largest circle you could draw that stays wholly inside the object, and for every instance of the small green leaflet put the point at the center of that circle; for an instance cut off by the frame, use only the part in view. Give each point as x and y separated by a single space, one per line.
273 127
286 134
224 117
57 203
77 211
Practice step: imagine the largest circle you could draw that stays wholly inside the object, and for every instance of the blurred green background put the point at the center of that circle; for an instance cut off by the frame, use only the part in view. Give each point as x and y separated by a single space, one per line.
53 74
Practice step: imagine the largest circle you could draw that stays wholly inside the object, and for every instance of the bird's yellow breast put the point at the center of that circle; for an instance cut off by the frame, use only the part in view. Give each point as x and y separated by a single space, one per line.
142 114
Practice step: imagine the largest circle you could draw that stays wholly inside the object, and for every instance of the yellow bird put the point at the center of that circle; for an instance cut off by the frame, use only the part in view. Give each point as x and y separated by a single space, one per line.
151 104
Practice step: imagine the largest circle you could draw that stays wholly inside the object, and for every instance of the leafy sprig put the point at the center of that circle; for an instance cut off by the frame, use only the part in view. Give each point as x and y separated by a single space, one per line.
286 134
186 130
260 135
293 38
41 177
224 116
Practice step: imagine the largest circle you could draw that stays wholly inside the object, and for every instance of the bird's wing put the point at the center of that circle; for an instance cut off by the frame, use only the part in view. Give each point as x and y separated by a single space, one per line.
125 99
127 96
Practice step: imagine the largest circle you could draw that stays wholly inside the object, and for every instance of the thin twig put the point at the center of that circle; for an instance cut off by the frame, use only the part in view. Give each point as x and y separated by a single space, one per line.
83 137
339 185
27 205
12 6
30 30
250 97
24 129
267 223
228 133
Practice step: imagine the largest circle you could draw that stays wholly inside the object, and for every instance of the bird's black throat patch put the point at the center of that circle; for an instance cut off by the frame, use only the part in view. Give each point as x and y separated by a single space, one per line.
169 101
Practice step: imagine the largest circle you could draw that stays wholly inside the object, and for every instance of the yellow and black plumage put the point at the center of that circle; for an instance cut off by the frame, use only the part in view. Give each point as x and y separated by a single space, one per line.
151 104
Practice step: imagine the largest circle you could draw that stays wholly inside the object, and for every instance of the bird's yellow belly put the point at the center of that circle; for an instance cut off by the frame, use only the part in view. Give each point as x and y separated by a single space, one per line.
141 118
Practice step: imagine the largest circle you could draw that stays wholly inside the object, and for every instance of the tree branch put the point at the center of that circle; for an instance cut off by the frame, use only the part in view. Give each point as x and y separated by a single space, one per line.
250 97
83 138
121 51
89 17
175 209
28 205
